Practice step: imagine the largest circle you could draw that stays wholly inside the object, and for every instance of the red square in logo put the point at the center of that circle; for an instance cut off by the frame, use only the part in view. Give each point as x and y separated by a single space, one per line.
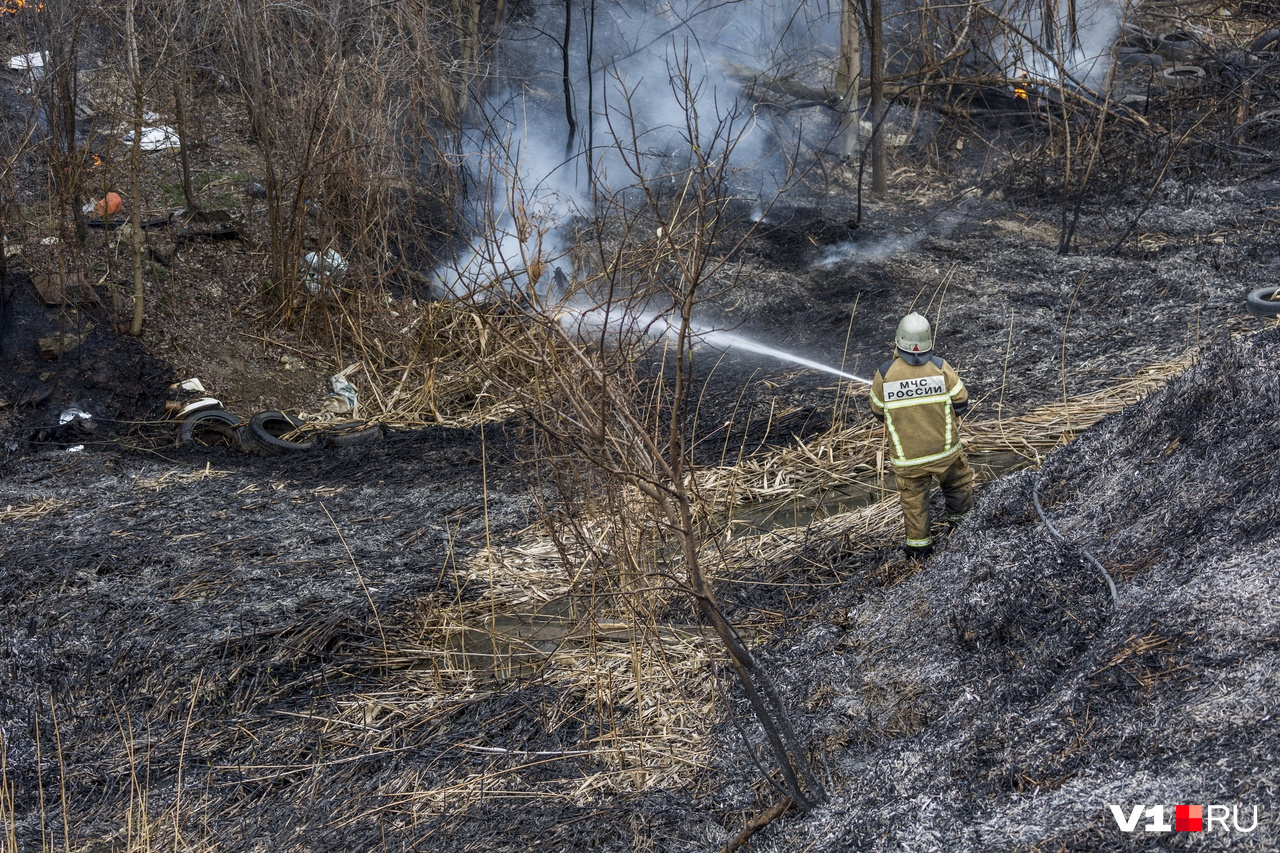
1188 818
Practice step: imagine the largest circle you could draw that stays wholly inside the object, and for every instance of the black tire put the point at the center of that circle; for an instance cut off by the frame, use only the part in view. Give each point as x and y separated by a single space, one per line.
1184 76
1179 47
1136 40
1263 302
1135 59
211 428
265 430
351 433
1270 40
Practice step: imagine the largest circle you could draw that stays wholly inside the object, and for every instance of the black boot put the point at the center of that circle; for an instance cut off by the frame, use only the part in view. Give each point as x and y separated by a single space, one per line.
917 553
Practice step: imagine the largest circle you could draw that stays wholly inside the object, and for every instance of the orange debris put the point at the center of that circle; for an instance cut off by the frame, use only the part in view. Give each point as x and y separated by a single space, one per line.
109 206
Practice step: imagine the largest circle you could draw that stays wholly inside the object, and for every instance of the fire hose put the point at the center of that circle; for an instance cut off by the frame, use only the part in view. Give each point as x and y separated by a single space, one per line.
1053 531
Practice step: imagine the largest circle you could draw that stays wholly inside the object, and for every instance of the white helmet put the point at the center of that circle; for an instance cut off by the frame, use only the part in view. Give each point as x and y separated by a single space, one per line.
914 335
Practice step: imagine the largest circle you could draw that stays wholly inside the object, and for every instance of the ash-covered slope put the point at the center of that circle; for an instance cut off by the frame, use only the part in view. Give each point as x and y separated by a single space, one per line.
1000 700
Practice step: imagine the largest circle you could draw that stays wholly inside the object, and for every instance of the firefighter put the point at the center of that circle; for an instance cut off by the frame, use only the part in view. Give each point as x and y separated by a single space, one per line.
919 397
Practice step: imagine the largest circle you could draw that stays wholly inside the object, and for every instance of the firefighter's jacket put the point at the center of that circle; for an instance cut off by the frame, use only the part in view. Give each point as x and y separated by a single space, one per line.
919 405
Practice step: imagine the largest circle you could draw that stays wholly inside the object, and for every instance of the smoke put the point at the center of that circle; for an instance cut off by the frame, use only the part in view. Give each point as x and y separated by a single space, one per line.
641 89
1072 48
527 190
852 252
647 89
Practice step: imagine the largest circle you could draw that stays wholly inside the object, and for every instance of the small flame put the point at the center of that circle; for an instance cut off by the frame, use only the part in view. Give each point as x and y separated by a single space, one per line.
12 7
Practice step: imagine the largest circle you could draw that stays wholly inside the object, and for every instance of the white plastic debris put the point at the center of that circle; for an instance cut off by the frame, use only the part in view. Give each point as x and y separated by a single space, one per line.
155 138
323 271
197 405
76 448
342 399
73 413
192 384
32 63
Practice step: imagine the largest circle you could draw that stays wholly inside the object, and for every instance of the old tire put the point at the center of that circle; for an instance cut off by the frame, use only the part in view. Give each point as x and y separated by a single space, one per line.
351 433
1137 40
211 427
1183 76
266 430
1263 302
1178 46
1268 41
1139 58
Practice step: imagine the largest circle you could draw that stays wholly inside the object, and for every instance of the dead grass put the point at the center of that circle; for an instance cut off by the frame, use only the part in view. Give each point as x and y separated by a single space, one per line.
540 615
35 510
177 476
647 683
434 363
856 453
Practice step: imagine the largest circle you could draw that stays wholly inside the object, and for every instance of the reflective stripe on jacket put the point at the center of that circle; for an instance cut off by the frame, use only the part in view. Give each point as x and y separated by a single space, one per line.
918 404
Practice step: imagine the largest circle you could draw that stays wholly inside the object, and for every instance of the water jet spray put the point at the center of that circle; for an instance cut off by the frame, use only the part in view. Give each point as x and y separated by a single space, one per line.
657 325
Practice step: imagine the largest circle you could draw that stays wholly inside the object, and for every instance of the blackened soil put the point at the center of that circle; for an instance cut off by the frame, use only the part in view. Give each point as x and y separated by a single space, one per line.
195 604
241 578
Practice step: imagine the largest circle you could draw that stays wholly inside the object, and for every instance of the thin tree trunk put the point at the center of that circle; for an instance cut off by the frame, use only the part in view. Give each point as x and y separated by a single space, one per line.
568 88
135 171
679 511
589 59
181 115
875 27
848 75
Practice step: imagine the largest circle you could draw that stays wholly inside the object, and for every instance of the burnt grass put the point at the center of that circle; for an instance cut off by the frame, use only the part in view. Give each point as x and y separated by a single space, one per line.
1017 700
184 621
205 610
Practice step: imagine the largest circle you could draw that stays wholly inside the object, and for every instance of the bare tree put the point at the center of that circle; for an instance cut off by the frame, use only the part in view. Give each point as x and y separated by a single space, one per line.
874 10
15 142
135 166
612 367
352 107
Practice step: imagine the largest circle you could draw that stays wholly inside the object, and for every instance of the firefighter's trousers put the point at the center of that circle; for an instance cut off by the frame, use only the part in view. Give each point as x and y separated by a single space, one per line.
913 491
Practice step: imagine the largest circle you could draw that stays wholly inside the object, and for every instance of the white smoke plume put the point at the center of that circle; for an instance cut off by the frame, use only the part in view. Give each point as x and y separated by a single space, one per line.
635 78
625 65
1065 51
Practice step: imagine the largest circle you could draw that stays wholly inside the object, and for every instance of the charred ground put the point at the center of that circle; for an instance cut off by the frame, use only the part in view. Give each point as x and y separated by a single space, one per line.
1021 696
209 609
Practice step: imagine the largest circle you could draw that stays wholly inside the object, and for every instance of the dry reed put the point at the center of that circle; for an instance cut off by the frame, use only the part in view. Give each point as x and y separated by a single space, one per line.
35 510
432 364
537 616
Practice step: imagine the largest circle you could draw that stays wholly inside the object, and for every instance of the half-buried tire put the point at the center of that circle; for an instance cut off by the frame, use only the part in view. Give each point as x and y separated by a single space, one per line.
267 431
211 428
1183 76
1263 302
351 433
1269 41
